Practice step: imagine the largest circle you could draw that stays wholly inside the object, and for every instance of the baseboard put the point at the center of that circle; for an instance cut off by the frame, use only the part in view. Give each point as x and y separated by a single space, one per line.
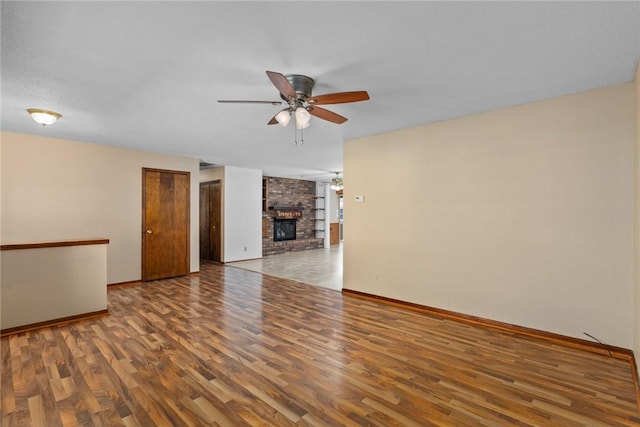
636 379
139 282
590 346
53 322
240 260
594 347
123 284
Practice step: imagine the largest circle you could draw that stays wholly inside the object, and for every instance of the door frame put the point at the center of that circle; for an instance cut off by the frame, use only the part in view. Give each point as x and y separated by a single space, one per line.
143 271
220 228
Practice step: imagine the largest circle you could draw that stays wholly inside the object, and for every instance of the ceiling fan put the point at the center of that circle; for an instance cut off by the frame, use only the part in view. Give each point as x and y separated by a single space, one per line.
295 90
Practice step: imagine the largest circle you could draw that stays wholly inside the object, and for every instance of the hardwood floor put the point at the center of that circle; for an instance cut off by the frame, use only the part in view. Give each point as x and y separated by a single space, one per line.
232 347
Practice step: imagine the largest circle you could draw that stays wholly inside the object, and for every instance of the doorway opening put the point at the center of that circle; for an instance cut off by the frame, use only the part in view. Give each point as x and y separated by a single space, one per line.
211 221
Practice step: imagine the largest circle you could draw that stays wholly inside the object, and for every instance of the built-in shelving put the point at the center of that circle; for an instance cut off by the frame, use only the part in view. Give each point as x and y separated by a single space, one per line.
265 194
319 211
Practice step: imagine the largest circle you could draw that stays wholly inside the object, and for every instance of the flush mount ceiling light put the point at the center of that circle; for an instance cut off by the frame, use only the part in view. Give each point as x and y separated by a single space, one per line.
43 117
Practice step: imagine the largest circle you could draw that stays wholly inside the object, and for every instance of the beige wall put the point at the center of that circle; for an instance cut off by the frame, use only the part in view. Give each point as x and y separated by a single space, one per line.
68 281
522 215
54 189
212 174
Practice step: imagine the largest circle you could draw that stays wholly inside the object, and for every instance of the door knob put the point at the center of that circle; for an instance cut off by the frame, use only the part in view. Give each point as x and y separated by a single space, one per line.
149 231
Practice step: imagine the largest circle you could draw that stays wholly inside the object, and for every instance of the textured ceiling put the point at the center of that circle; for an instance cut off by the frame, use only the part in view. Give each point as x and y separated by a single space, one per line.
147 75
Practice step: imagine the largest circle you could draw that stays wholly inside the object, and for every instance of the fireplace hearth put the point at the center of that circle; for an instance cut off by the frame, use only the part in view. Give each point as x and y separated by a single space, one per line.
284 229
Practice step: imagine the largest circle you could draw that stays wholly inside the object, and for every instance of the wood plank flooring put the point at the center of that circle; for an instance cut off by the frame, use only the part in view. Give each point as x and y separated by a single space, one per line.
232 347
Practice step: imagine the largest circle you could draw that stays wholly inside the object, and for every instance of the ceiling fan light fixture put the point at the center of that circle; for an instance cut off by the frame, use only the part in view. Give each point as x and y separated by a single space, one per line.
302 126
283 117
295 91
302 117
336 183
43 117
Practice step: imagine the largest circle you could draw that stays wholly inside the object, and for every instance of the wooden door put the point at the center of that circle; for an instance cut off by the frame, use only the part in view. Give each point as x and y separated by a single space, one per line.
165 223
334 233
210 220
205 223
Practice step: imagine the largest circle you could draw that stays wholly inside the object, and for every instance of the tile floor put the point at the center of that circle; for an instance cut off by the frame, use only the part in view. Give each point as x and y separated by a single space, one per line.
319 267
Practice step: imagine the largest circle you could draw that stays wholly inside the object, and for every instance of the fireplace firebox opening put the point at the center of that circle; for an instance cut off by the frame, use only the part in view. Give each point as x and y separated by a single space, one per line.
284 229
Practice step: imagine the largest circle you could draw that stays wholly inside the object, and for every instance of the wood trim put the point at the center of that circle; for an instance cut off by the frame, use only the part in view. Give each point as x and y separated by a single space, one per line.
54 244
207 208
636 380
594 347
123 284
188 209
53 322
287 213
137 282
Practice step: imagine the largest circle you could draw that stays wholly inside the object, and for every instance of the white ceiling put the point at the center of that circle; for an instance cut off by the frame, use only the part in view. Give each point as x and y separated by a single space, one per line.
147 74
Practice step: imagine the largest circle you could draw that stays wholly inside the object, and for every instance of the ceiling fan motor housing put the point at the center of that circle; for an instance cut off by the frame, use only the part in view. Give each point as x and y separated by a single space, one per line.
301 84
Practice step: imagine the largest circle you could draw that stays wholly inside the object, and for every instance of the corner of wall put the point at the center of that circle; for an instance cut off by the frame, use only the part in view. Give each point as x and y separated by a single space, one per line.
242 213
636 237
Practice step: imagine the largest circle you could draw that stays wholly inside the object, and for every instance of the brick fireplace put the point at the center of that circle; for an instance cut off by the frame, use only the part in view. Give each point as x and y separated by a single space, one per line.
284 229
293 200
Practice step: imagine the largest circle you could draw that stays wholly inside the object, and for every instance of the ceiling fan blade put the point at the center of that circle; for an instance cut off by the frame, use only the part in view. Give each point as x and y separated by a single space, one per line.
321 113
241 101
339 97
282 84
